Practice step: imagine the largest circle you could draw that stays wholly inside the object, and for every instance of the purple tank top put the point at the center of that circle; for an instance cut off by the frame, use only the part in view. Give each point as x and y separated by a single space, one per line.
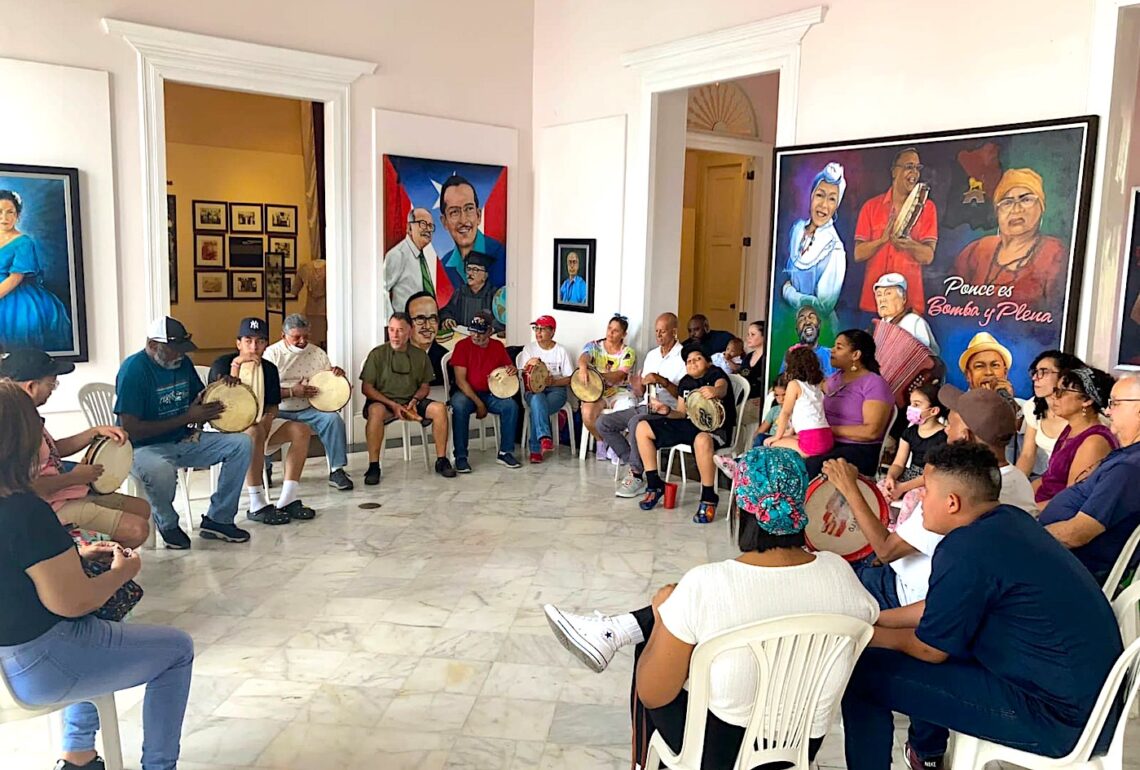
1056 476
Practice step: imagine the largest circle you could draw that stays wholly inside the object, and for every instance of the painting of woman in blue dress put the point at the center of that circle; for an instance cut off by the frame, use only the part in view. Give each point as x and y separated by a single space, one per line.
817 262
30 314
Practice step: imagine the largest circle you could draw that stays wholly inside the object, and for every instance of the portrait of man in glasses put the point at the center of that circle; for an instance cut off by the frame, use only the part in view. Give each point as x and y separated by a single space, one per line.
475 296
462 217
410 266
421 307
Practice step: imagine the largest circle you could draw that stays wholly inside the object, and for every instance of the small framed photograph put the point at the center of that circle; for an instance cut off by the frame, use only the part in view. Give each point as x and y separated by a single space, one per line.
209 216
246 218
247 285
211 285
246 252
292 286
286 246
574 262
280 218
274 284
209 251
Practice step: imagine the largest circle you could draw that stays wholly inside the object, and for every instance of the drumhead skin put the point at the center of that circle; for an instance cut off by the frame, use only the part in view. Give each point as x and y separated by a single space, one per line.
241 406
592 390
116 460
335 392
706 413
831 523
536 376
501 384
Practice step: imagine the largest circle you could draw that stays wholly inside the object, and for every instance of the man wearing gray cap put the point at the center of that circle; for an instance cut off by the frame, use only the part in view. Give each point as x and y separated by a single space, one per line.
158 401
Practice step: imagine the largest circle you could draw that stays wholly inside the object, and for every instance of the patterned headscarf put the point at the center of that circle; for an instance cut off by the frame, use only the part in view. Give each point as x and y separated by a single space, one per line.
771 485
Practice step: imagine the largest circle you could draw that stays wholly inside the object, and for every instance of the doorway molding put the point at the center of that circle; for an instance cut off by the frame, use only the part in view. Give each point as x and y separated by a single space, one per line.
653 205
203 60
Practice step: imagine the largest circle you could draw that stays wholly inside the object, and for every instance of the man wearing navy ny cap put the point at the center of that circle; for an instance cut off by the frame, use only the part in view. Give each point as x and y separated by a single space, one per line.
158 400
474 359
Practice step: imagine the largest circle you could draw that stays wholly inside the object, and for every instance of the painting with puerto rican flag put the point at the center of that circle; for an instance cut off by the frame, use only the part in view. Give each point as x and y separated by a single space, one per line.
445 232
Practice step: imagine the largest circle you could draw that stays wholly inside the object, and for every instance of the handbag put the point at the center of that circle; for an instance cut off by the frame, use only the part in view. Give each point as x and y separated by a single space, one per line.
122 601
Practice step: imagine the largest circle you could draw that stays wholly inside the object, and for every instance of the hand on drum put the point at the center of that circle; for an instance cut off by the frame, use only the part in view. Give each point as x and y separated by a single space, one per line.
891 487
663 593
307 390
116 434
512 372
843 475
708 391
84 474
338 371
200 413
584 375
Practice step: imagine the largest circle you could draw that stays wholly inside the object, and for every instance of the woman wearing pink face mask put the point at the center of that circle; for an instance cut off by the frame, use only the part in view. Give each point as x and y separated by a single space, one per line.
924 433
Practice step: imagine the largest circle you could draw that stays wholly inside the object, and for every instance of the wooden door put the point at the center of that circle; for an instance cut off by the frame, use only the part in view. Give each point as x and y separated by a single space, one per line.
719 259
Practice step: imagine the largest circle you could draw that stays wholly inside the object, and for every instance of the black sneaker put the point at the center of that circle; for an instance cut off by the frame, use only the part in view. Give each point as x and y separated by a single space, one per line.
340 480
918 763
372 477
174 538
95 764
297 510
268 515
461 465
213 530
268 475
443 468
508 459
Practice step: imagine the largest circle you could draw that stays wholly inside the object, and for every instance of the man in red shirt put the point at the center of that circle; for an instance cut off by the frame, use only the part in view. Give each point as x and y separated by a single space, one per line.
883 251
473 360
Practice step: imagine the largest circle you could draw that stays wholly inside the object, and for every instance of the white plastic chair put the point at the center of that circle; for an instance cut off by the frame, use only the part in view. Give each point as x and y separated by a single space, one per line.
12 710
740 390
1116 574
795 656
480 424
567 409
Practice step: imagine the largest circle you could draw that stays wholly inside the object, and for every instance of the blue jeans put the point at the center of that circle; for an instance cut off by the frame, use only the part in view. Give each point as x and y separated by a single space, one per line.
879 582
156 467
462 408
329 426
541 406
955 695
87 657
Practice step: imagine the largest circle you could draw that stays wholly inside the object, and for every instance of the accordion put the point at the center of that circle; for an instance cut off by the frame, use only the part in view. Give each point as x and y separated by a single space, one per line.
905 363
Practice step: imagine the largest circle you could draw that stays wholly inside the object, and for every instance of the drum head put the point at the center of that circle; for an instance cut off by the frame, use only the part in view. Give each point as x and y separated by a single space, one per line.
536 376
241 406
831 523
592 390
706 413
503 385
116 460
335 392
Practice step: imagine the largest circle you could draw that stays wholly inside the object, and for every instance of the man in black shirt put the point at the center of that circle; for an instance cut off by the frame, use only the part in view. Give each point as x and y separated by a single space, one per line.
269 432
711 341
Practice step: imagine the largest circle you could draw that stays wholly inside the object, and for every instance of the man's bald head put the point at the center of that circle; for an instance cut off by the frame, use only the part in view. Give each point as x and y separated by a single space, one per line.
420 227
1124 410
665 329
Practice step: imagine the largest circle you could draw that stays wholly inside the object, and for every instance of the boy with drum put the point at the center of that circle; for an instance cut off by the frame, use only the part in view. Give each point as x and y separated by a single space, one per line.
123 518
475 359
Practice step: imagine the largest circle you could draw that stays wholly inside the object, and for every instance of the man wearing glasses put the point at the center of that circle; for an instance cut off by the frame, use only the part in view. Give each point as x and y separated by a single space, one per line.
408 268
474 297
396 379
462 215
421 307
885 252
1094 517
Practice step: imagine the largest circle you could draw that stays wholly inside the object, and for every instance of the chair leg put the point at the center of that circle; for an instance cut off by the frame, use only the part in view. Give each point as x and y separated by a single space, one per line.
570 430
109 728
423 445
669 467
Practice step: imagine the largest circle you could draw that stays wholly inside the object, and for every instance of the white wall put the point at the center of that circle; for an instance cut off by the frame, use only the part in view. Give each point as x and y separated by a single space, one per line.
474 65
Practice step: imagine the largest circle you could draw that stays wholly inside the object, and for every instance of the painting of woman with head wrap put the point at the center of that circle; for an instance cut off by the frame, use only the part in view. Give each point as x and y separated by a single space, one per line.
817 260
1019 255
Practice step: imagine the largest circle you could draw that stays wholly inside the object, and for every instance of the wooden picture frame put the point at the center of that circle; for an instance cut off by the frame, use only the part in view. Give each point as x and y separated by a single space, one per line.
280 218
575 260
209 216
247 218
211 285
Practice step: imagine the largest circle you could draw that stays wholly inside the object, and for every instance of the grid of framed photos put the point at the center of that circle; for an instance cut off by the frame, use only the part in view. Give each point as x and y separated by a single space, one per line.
231 243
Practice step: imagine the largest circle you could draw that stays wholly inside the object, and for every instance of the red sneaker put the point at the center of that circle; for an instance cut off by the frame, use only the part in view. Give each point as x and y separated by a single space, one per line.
535 458
547 445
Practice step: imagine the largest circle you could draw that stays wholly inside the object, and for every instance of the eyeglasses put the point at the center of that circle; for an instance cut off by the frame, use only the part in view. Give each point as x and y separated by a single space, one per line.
910 166
454 213
424 225
1115 402
1059 392
1025 201
424 320
476 269
1037 374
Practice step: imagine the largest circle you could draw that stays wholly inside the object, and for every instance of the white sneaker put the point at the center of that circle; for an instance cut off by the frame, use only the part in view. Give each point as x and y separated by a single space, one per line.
591 639
631 486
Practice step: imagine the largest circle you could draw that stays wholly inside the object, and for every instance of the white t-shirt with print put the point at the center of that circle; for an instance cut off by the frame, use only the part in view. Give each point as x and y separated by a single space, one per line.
557 359
722 595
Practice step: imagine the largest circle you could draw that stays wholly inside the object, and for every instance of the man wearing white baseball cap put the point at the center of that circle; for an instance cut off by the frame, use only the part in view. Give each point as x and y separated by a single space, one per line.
158 401
892 306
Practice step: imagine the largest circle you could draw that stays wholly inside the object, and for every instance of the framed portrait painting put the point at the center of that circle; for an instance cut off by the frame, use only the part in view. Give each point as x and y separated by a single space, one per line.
280 218
1128 356
209 216
574 262
247 285
41 242
211 285
958 242
246 218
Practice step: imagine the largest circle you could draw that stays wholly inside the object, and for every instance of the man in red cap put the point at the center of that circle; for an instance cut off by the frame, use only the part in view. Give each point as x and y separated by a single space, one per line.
549 401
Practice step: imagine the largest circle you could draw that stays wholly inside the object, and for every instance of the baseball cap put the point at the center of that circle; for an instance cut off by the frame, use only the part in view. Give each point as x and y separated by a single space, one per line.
172 333
479 325
545 320
253 327
27 364
891 279
986 413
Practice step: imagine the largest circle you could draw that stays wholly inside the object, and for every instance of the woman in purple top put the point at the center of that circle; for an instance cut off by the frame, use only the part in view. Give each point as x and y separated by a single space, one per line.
1079 399
857 402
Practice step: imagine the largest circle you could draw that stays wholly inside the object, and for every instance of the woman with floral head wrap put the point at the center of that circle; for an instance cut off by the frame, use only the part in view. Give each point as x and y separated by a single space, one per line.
1019 255
773 577
817 260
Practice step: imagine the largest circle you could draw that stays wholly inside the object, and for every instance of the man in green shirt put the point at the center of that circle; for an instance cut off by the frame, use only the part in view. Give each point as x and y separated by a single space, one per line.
395 381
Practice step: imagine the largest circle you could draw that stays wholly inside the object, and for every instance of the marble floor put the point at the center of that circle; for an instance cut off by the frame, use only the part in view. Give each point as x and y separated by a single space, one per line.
411 635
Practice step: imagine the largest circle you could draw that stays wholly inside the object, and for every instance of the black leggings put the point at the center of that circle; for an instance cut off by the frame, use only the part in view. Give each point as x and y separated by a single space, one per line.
722 740
865 457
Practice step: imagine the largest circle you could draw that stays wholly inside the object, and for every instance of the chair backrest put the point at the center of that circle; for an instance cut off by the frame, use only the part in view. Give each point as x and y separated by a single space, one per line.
203 373
1125 675
11 709
795 656
1126 607
740 392
97 401
445 364
1112 582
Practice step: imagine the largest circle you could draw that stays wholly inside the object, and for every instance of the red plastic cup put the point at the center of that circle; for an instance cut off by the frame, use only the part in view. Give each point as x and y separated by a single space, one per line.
670 495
